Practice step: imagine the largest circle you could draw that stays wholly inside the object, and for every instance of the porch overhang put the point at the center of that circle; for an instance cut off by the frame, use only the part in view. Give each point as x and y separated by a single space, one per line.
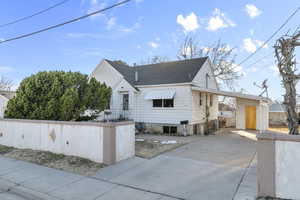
230 94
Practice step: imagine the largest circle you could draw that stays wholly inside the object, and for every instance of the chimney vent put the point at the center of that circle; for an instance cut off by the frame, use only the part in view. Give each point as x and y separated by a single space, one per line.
136 75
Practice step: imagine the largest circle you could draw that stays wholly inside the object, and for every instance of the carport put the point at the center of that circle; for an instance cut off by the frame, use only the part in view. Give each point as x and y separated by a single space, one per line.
252 112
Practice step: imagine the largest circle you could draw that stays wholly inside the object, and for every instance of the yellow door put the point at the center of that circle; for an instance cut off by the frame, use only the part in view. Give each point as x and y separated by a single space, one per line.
250 117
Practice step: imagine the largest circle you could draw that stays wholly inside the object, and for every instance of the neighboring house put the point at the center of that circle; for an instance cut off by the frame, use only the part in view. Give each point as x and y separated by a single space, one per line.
165 96
5 96
278 114
226 115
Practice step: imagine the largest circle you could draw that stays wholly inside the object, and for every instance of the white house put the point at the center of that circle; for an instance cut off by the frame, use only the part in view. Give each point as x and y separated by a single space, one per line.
165 96
4 98
278 114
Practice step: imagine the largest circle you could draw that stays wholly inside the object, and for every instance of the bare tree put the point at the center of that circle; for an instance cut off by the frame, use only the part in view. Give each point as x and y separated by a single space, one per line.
220 54
286 63
188 49
223 58
155 59
5 83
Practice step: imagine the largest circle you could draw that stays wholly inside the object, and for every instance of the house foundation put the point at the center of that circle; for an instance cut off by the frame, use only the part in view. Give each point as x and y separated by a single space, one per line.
178 129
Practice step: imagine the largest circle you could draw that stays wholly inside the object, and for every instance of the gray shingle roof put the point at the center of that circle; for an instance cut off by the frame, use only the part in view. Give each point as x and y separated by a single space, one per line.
182 71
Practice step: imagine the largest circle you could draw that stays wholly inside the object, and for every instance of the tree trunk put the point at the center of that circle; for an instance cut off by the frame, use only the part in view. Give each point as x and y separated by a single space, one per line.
290 102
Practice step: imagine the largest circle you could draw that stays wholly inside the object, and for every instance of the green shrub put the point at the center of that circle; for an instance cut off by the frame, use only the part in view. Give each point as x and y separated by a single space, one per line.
58 95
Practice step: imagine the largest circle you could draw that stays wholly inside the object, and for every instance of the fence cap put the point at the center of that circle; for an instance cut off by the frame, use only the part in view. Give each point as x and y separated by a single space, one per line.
81 123
275 136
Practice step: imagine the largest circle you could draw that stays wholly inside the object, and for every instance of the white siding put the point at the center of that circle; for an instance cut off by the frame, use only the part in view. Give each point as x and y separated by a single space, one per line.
182 109
105 73
185 107
198 112
262 114
200 78
3 104
116 105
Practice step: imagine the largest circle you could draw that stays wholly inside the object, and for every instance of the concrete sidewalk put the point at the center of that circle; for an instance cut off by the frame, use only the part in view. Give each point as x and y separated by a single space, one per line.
212 168
25 181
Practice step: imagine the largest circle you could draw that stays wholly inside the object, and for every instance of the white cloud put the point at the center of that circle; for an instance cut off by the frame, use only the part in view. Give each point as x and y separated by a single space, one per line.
82 35
189 23
219 20
5 69
260 43
249 45
111 22
239 69
252 69
252 11
94 6
129 29
275 69
154 45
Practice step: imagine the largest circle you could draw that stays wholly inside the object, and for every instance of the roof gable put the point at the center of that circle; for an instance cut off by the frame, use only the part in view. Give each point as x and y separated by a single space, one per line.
182 71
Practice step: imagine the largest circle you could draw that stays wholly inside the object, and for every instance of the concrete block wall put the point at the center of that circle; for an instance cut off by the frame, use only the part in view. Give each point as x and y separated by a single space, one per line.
100 142
278 163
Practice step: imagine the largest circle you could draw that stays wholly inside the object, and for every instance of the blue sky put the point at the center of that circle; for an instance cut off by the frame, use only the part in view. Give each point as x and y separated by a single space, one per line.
142 29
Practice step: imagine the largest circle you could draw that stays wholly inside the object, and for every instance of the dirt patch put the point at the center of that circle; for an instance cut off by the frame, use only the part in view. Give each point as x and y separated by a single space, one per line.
58 161
149 148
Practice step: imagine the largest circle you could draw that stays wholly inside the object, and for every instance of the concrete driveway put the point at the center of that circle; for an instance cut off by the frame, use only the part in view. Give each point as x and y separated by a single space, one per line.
208 168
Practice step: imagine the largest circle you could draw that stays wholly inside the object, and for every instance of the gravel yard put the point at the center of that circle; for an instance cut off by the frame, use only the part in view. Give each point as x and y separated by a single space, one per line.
149 146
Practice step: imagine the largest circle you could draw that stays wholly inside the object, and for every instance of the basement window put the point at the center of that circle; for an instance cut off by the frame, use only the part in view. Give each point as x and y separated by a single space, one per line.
169 129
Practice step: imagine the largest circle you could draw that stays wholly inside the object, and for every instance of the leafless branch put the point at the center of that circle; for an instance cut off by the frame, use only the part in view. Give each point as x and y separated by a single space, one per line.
286 63
5 83
221 56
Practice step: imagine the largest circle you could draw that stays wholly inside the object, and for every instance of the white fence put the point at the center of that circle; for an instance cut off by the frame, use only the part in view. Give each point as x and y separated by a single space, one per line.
101 142
278 165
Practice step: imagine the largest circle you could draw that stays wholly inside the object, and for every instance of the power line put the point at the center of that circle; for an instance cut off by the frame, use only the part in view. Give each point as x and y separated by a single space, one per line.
64 23
286 21
258 60
35 14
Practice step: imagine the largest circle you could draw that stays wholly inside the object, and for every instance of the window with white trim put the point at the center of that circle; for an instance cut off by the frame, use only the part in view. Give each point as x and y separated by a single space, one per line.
165 103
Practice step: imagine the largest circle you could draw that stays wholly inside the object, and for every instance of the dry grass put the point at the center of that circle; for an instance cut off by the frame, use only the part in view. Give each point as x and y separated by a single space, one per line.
58 161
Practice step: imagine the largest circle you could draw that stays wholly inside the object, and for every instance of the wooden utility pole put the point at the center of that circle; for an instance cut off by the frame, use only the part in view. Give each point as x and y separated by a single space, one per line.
286 63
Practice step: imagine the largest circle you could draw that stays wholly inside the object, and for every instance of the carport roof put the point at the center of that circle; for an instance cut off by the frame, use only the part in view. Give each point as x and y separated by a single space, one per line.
230 94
